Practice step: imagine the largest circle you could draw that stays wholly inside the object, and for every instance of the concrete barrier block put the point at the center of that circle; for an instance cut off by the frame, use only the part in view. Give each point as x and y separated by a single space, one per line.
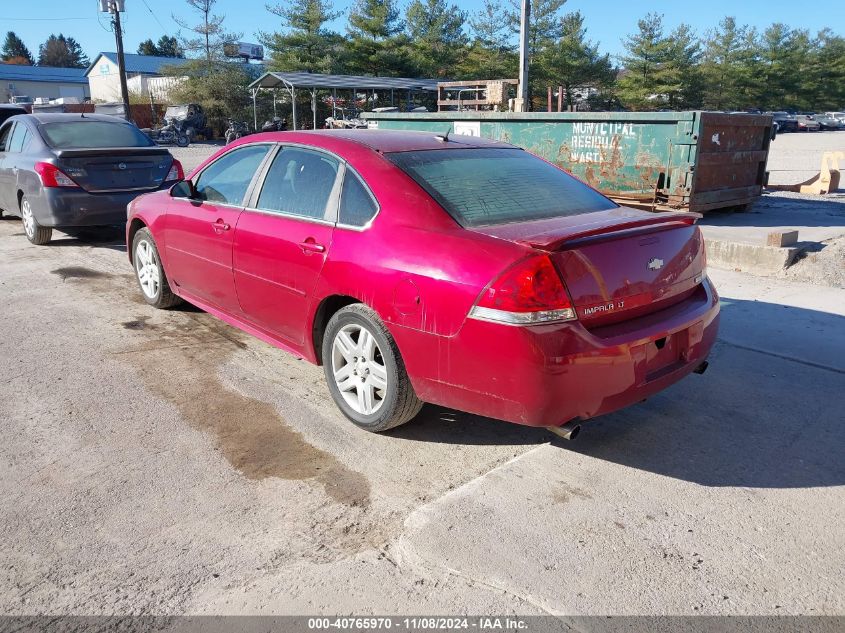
782 238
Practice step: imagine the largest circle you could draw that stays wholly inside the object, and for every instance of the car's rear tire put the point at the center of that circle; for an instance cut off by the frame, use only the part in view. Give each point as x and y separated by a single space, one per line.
149 272
365 371
35 233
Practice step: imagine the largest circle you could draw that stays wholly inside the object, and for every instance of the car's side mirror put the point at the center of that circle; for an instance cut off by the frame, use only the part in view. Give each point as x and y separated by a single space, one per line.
183 189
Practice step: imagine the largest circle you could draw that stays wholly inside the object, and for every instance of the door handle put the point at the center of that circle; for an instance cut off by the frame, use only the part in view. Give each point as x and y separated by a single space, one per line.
310 246
220 226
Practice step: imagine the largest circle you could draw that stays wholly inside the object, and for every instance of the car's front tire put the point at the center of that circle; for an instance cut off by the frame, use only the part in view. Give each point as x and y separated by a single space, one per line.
149 272
35 233
365 372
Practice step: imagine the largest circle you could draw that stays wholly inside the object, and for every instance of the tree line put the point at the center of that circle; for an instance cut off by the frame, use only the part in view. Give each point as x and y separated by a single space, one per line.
728 67
57 51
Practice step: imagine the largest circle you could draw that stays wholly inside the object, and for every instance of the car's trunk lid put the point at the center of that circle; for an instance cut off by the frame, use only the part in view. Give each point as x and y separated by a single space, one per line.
116 168
618 264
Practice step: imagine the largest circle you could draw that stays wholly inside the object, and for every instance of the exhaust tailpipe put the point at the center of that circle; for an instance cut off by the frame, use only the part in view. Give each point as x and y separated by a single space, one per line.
701 368
568 431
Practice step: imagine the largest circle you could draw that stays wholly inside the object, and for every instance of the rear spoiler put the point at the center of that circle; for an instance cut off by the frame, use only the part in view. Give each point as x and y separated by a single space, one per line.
111 151
609 230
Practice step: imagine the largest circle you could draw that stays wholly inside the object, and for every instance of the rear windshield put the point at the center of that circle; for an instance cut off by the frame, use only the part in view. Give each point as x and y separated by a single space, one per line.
92 134
479 187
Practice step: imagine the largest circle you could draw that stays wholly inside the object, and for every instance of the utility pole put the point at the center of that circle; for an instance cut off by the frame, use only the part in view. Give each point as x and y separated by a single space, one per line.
114 7
525 17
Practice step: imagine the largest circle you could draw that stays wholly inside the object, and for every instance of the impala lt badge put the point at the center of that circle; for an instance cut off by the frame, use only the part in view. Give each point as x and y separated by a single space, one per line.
655 264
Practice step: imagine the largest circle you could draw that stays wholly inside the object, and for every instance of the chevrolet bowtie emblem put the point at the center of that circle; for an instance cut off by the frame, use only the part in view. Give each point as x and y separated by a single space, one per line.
655 264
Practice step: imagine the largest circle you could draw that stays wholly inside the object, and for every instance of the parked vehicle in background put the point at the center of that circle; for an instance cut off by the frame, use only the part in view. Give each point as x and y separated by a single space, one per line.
839 116
171 133
397 262
182 124
7 111
236 130
71 170
189 118
827 122
806 123
786 122
276 124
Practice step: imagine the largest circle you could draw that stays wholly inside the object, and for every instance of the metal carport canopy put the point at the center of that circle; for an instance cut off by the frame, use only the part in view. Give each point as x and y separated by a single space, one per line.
314 81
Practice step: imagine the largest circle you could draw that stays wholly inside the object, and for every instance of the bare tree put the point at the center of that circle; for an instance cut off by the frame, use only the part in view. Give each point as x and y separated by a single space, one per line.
208 37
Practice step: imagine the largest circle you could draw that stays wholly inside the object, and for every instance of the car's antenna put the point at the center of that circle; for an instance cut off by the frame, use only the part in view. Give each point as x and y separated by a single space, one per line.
443 137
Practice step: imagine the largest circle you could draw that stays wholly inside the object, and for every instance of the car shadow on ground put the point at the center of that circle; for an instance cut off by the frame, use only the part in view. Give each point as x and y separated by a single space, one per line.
111 237
753 420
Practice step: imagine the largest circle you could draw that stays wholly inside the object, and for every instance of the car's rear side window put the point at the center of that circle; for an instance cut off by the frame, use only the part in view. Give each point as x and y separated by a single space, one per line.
19 138
92 134
487 186
357 206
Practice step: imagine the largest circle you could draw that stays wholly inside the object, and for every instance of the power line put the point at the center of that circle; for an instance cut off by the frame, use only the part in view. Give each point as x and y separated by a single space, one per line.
155 17
42 19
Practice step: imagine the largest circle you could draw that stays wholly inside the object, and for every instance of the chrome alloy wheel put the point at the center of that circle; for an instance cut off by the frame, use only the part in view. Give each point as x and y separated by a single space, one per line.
358 369
28 219
147 268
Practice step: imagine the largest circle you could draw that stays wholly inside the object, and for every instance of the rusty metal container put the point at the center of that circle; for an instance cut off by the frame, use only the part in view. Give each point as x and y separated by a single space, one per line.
692 161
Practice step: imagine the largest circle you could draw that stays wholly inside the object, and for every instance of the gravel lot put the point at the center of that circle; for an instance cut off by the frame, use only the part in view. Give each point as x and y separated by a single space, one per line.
796 157
161 462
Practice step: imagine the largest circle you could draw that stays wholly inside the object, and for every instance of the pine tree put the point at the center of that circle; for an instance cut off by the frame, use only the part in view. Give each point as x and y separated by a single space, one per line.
62 52
574 61
659 70
148 47
727 61
374 46
15 51
168 46
306 44
492 54
437 38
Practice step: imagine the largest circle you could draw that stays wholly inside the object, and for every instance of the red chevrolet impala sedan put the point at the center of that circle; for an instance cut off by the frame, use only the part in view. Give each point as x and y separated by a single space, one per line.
420 268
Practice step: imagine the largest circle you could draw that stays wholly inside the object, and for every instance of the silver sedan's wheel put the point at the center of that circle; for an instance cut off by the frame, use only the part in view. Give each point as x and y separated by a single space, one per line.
147 268
28 219
358 369
35 233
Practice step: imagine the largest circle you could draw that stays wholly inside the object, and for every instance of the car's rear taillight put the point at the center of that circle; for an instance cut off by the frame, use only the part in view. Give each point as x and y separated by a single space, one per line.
528 293
176 172
52 176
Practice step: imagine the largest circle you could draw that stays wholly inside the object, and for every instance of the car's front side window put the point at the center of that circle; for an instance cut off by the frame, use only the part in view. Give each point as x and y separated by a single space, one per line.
300 183
226 180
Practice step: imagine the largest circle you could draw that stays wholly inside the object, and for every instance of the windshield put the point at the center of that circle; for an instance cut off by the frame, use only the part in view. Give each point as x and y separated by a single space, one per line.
174 111
93 134
480 187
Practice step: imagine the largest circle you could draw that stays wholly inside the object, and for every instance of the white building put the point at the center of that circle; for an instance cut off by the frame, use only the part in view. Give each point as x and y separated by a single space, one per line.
144 76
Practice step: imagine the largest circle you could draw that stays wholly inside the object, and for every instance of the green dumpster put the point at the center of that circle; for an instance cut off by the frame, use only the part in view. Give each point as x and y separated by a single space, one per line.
693 161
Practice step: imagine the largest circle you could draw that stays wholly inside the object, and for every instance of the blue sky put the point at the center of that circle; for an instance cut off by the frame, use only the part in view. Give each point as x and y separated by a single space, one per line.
607 21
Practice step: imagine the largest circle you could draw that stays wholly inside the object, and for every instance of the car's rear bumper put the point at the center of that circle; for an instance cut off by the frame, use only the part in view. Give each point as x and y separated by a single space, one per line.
63 207
548 375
